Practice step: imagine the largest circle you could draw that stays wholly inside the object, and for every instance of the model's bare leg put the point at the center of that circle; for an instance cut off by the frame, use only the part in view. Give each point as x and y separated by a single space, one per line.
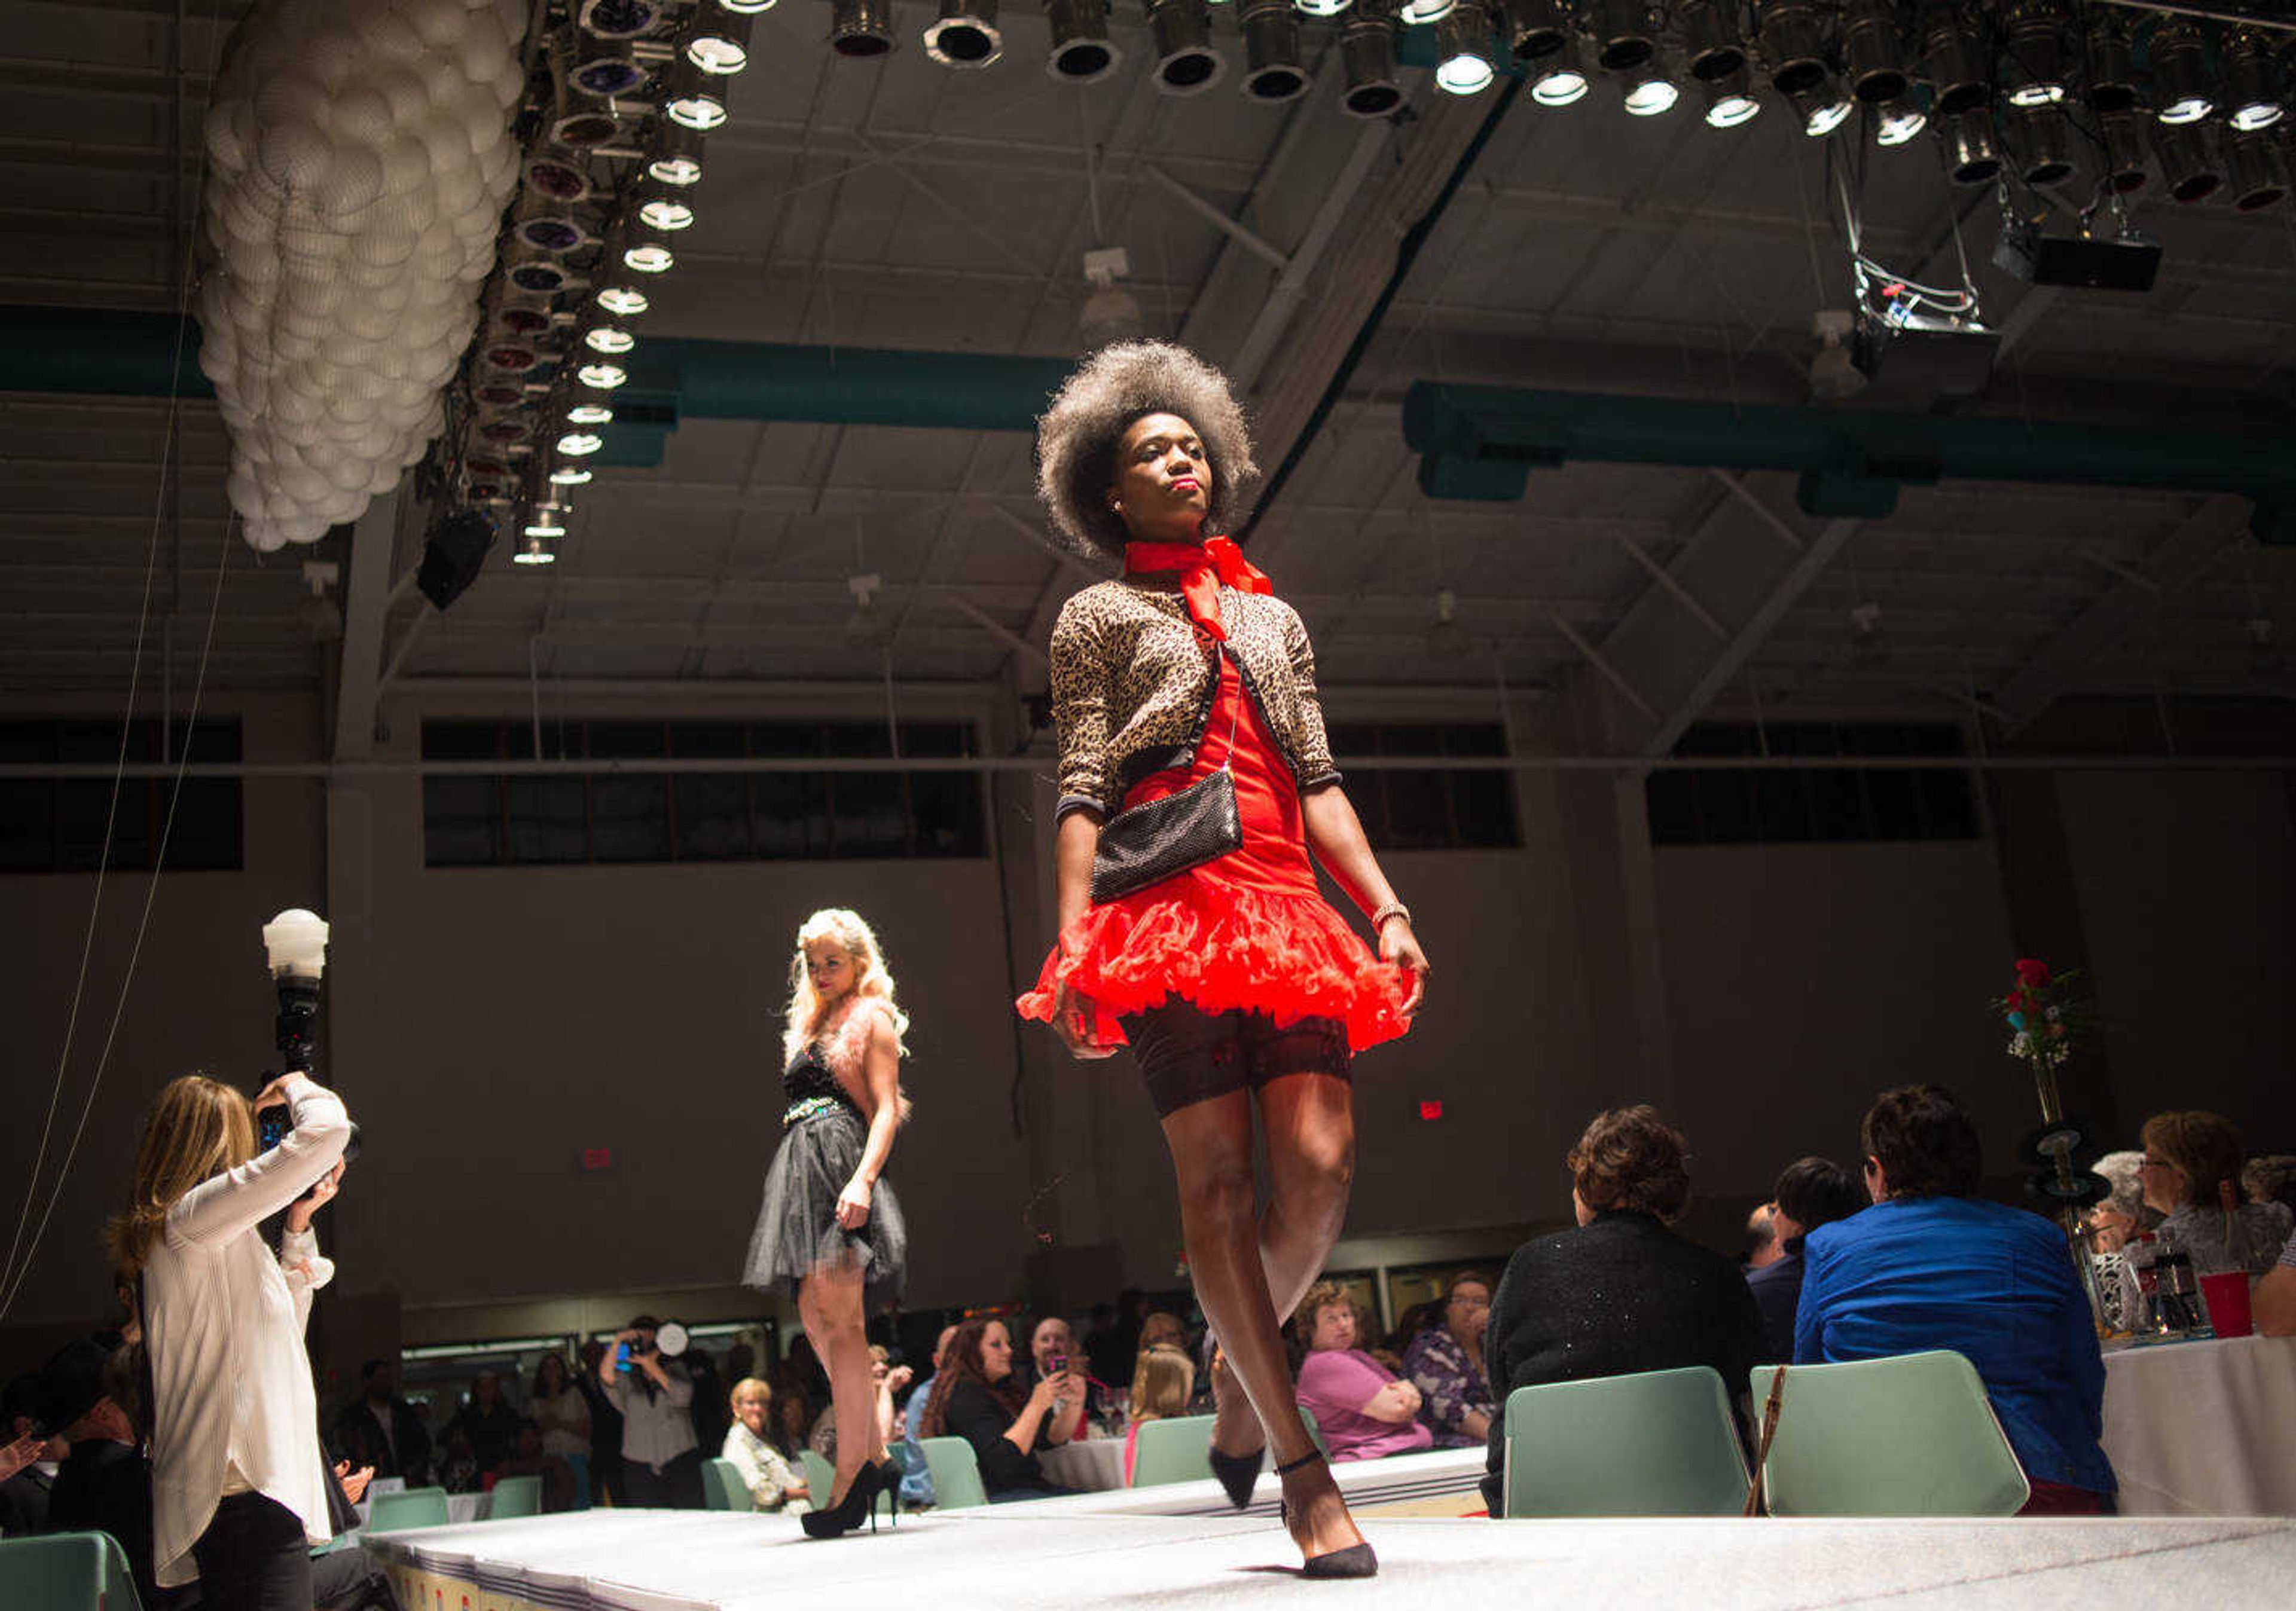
1210 1143
829 1303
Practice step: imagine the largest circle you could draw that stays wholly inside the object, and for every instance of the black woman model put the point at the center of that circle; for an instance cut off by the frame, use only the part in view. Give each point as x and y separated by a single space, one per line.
1196 781
830 1231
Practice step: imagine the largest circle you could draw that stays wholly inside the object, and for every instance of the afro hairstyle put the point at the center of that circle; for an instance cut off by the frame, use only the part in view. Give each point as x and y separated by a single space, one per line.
1077 436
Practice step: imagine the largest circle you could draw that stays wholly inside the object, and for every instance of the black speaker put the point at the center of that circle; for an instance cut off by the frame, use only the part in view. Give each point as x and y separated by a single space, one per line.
452 558
2130 262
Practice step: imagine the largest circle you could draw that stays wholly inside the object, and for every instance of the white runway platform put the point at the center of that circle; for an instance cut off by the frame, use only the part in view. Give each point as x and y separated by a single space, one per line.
1144 1549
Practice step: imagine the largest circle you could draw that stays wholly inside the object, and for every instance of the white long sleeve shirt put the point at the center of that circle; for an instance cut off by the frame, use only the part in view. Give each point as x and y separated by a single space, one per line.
233 1408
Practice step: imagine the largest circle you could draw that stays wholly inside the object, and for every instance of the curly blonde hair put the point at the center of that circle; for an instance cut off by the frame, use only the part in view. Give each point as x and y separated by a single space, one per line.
806 1012
1077 438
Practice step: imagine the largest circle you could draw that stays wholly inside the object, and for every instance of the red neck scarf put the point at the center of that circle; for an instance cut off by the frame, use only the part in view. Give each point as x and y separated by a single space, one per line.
1204 568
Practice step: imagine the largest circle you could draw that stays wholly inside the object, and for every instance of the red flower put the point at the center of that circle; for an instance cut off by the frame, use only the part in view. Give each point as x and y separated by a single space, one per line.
2032 972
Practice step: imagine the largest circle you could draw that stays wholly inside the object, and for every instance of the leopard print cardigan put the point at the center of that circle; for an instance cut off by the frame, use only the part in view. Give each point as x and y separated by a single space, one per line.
1132 686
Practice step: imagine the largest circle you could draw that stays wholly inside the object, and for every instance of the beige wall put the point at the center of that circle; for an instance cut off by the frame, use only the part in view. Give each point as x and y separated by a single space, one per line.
487 1024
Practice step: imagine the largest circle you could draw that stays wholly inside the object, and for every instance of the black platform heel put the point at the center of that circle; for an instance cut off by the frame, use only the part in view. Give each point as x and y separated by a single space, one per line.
1356 1560
860 1501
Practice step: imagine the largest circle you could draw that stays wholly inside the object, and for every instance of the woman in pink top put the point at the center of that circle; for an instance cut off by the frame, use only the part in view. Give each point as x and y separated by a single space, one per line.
1364 1410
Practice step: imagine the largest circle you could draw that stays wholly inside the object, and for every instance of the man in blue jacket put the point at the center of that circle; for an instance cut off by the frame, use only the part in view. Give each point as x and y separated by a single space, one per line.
1930 1265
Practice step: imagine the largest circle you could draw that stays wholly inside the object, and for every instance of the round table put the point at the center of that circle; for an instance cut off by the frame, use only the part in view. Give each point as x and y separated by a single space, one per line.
1093 1466
2203 1428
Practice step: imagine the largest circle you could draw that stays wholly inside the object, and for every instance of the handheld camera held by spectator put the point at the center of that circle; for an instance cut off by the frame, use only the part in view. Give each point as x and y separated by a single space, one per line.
295 949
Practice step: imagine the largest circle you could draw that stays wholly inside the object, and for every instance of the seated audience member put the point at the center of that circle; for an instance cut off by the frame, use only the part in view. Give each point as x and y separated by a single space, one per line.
24 1495
1761 1247
1445 1361
887 1380
1163 1329
2270 1177
381 1429
792 1419
772 1484
1163 1379
563 1416
711 1417
2192 1175
1053 1352
1811 1192
978 1396
1623 1293
2276 1295
1932 1265
104 1485
486 1423
2109 1225
916 1477
1365 1411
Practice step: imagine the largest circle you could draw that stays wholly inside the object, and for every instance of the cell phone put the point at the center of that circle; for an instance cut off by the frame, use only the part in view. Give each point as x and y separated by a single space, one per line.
622 1358
1059 1363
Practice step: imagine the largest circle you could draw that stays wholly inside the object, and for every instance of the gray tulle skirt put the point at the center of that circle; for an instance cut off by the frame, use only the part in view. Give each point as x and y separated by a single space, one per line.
797 1230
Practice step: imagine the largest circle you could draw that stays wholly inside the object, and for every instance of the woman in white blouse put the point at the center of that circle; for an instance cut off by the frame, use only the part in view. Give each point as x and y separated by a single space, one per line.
772 1484
238 1485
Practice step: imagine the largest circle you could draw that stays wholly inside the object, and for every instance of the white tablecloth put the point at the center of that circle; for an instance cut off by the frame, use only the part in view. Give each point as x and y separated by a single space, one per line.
1094 1465
2203 1428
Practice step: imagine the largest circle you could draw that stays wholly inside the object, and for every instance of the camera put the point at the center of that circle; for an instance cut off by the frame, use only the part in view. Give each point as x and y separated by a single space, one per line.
295 949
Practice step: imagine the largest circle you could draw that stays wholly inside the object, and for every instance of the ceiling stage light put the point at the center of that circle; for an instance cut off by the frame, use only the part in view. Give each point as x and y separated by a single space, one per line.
2181 92
1649 93
2123 136
1623 37
2252 83
1709 41
1424 11
1794 41
2189 162
1272 70
965 34
674 156
580 444
1463 49
664 208
535 550
618 19
1082 52
1367 57
611 340
1730 99
2257 172
623 301
1873 51
2033 53
718 41
1322 8
589 413
1896 123
2109 68
606 70
861 30
603 377
1972 155
1955 61
1822 107
1557 79
690 98
2042 137
1180 34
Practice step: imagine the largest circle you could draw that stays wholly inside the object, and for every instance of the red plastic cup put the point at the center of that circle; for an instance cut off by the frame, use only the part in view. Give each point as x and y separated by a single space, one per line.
2226 1293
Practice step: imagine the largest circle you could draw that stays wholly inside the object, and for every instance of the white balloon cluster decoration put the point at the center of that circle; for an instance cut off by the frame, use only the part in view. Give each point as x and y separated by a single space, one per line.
359 159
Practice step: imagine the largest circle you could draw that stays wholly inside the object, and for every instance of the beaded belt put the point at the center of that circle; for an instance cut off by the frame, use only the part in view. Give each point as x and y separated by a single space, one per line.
797 1113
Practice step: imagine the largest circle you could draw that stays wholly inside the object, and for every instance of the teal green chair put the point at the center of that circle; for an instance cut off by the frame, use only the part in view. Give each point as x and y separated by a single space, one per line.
66 1571
722 1487
821 1482
514 1496
1913 1434
1660 1443
414 1508
1179 1450
955 1474
1175 1451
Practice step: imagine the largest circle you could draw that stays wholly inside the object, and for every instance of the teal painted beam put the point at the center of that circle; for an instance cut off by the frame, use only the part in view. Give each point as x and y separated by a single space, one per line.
1482 442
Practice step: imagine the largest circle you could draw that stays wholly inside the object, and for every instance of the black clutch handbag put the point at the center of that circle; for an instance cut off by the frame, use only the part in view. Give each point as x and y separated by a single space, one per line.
1151 843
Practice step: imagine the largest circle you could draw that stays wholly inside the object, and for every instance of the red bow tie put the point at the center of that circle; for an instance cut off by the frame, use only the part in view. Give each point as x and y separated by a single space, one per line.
1204 567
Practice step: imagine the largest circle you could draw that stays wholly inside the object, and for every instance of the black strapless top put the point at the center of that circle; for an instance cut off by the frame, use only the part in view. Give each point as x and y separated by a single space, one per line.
808 1087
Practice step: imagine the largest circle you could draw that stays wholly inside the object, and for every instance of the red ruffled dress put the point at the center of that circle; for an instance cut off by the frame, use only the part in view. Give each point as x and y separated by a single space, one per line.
1247 930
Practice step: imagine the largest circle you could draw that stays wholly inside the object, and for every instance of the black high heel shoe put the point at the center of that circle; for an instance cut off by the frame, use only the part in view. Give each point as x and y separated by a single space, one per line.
1356 1560
889 1473
1237 1473
860 1503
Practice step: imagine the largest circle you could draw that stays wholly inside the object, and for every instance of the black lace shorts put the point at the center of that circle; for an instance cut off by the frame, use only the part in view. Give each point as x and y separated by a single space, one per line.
1188 1055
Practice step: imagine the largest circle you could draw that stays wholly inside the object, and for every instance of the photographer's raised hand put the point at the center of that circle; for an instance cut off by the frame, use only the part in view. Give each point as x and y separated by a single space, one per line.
323 1189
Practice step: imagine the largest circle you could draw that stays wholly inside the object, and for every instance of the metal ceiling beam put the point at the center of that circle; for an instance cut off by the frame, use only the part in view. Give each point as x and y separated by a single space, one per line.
2203 538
